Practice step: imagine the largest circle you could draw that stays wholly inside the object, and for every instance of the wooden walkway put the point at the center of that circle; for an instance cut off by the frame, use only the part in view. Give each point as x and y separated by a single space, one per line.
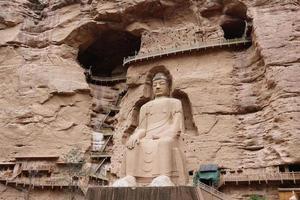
98 155
280 177
192 47
42 183
103 80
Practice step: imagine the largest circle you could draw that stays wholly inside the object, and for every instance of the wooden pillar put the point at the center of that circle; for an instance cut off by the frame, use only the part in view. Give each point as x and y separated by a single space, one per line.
281 178
293 173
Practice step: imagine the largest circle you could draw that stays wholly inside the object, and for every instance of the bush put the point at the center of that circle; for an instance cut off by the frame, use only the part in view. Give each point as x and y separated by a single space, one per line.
257 197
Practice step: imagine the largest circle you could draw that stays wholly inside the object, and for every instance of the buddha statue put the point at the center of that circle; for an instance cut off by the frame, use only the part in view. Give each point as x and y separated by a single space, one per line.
153 156
293 197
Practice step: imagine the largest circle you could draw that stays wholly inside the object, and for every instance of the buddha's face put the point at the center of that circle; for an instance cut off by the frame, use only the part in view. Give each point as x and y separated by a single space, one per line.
160 88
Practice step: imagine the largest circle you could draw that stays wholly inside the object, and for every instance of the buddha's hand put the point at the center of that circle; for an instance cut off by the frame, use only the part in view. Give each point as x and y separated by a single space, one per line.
132 141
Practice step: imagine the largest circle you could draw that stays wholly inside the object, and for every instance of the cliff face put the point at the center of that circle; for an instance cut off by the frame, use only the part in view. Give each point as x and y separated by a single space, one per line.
268 88
45 100
245 104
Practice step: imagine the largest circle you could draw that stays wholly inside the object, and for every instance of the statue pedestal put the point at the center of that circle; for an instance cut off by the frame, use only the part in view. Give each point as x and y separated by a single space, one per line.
149 193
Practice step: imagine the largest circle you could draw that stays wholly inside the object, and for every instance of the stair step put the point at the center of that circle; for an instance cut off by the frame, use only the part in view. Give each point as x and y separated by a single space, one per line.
100 155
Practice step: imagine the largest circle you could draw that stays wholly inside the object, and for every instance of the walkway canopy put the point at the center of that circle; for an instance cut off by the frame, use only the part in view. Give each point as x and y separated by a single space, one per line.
208 174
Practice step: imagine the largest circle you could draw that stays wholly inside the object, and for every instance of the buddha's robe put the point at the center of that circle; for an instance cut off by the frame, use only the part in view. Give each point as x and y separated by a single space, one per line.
158 152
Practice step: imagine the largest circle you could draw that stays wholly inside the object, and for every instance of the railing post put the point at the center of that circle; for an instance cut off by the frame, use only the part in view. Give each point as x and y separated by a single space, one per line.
293 173
249 181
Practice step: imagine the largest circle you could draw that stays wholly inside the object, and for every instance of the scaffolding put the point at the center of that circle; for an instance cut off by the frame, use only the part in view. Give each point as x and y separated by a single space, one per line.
102 156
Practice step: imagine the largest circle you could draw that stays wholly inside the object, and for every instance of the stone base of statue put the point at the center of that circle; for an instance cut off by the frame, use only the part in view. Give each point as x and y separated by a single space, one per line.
149 193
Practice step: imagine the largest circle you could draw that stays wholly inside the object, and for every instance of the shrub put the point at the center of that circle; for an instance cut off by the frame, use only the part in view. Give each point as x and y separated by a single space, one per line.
257 197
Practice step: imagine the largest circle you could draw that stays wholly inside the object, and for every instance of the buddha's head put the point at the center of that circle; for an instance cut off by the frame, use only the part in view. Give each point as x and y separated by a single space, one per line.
160 85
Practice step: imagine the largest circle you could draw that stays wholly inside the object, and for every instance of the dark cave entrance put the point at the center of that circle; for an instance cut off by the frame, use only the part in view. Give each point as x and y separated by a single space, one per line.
104 56
294 167
233 28
289 168
234 22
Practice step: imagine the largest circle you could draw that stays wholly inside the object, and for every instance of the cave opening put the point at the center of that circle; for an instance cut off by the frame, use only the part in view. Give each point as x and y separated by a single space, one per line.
233 28
234 22
103 56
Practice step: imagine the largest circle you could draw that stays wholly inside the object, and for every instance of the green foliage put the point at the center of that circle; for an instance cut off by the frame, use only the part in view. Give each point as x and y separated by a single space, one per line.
73 156
257 197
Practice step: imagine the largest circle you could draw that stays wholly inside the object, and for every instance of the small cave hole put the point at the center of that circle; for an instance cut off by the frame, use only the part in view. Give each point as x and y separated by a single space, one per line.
19 145
233 28
234 22
103 57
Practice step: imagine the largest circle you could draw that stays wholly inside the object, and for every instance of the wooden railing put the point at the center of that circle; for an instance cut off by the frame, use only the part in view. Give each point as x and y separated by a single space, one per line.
213 191
100 79
187 48
43 182
261 177
108 79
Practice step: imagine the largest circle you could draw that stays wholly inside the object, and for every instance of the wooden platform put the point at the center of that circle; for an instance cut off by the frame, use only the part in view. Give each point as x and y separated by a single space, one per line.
7 164
150 193
268 178
36 157
97 155
39 184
